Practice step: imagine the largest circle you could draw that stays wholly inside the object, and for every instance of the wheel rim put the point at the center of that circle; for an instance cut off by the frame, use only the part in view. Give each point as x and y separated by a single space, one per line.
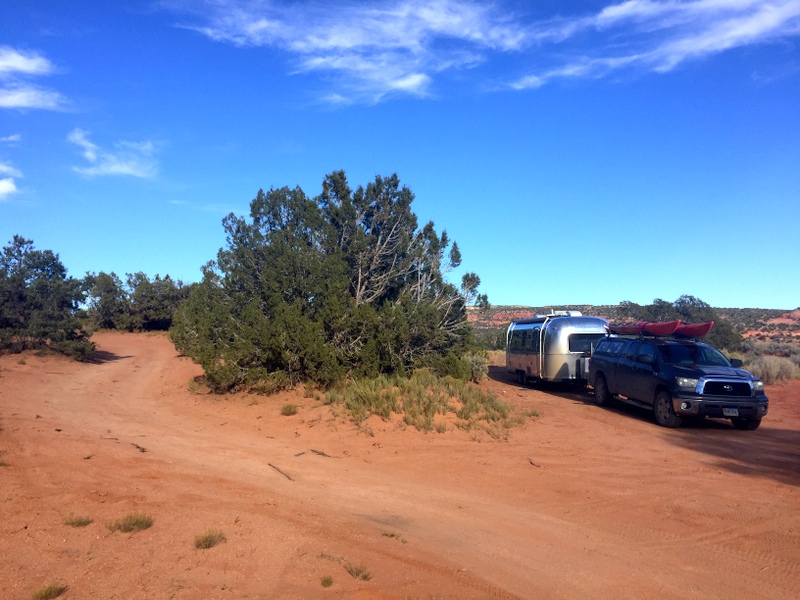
662 409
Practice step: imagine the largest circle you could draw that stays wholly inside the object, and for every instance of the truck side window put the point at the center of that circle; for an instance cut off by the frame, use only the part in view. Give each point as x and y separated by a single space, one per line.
647 354
632 350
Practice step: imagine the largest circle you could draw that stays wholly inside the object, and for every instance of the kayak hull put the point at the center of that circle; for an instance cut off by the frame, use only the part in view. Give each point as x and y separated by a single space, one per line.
693 330
660 328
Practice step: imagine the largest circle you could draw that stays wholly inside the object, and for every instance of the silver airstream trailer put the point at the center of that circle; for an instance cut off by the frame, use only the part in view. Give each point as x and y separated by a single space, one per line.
553 347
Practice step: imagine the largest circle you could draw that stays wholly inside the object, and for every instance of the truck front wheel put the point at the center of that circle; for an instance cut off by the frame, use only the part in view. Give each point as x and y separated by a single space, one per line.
664 413
747 424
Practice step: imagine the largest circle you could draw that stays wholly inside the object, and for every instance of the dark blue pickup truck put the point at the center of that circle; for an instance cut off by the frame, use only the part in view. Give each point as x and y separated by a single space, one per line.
676 378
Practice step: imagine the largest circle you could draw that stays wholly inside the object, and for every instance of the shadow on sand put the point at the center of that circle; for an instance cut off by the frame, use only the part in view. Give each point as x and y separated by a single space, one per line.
767 452
100 357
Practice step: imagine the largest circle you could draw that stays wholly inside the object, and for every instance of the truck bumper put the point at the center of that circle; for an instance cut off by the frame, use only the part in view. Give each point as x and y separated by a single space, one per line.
720 407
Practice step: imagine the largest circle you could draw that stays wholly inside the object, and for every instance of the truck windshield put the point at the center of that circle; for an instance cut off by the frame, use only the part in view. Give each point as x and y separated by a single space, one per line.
684 354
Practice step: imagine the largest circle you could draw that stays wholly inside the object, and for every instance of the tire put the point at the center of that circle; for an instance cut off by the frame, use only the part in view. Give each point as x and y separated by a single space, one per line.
602 397
746 424
663 411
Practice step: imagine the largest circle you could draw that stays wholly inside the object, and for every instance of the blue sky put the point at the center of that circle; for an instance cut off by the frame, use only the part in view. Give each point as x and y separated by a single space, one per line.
578 152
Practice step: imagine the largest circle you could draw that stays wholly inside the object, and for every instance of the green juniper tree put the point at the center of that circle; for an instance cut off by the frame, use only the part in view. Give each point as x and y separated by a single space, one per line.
39 303
319 288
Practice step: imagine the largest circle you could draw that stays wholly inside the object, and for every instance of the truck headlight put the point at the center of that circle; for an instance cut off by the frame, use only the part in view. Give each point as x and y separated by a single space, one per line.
686 383
758 385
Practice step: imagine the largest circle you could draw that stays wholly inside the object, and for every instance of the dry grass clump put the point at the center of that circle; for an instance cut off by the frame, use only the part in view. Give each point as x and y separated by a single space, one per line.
209 539
130 523
77 521
396 536
288 409
51 591
358 571
326 581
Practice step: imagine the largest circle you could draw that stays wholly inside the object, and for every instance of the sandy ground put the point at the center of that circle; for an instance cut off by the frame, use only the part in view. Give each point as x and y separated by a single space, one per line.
580 502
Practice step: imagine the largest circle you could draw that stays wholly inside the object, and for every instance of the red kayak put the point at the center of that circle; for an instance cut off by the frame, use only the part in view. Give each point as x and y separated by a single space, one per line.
646 328
693 330
626 329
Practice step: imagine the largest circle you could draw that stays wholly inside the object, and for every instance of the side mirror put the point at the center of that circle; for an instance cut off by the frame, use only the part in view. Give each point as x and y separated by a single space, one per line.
645 359
736 363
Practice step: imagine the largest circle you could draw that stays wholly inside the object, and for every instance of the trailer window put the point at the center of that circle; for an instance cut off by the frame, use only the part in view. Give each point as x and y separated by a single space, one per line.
520 341
584 342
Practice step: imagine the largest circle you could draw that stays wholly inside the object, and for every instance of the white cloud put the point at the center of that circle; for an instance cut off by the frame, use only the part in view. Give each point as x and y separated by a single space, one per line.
7 187
28 96
9 170
11 139
16 67
127 158
18 61
367 49
658 36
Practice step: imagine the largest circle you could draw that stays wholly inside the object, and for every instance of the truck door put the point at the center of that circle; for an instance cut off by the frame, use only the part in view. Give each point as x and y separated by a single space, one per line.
626 368
643 373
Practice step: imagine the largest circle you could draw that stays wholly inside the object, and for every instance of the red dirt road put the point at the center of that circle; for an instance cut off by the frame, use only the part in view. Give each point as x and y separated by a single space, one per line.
581 502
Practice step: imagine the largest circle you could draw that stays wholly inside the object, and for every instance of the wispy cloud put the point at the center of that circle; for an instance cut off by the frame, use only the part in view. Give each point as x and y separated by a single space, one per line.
17 67
658 36
11 139
8 184
366 51
127 158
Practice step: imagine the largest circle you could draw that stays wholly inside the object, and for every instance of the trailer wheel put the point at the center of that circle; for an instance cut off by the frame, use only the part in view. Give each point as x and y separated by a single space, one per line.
602 397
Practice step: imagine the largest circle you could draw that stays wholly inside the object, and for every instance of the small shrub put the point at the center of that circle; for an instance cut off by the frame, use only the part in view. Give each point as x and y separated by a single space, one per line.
209 539
193 386
77 521
396 536
772 369
287 410
326 581
358 572
4 464
51 591
132 522
478 366
451 365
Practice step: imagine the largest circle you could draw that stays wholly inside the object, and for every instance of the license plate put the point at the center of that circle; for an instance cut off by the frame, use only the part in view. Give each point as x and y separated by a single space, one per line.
730 412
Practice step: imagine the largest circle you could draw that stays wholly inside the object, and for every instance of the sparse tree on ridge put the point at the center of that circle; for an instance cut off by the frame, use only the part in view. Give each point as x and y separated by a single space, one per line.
689 310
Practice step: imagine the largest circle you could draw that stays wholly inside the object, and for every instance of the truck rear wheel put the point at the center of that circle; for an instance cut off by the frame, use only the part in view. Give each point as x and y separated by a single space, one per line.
602 397
664 413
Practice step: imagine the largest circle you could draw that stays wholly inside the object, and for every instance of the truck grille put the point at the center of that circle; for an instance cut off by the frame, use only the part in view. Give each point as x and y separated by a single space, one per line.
727 388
